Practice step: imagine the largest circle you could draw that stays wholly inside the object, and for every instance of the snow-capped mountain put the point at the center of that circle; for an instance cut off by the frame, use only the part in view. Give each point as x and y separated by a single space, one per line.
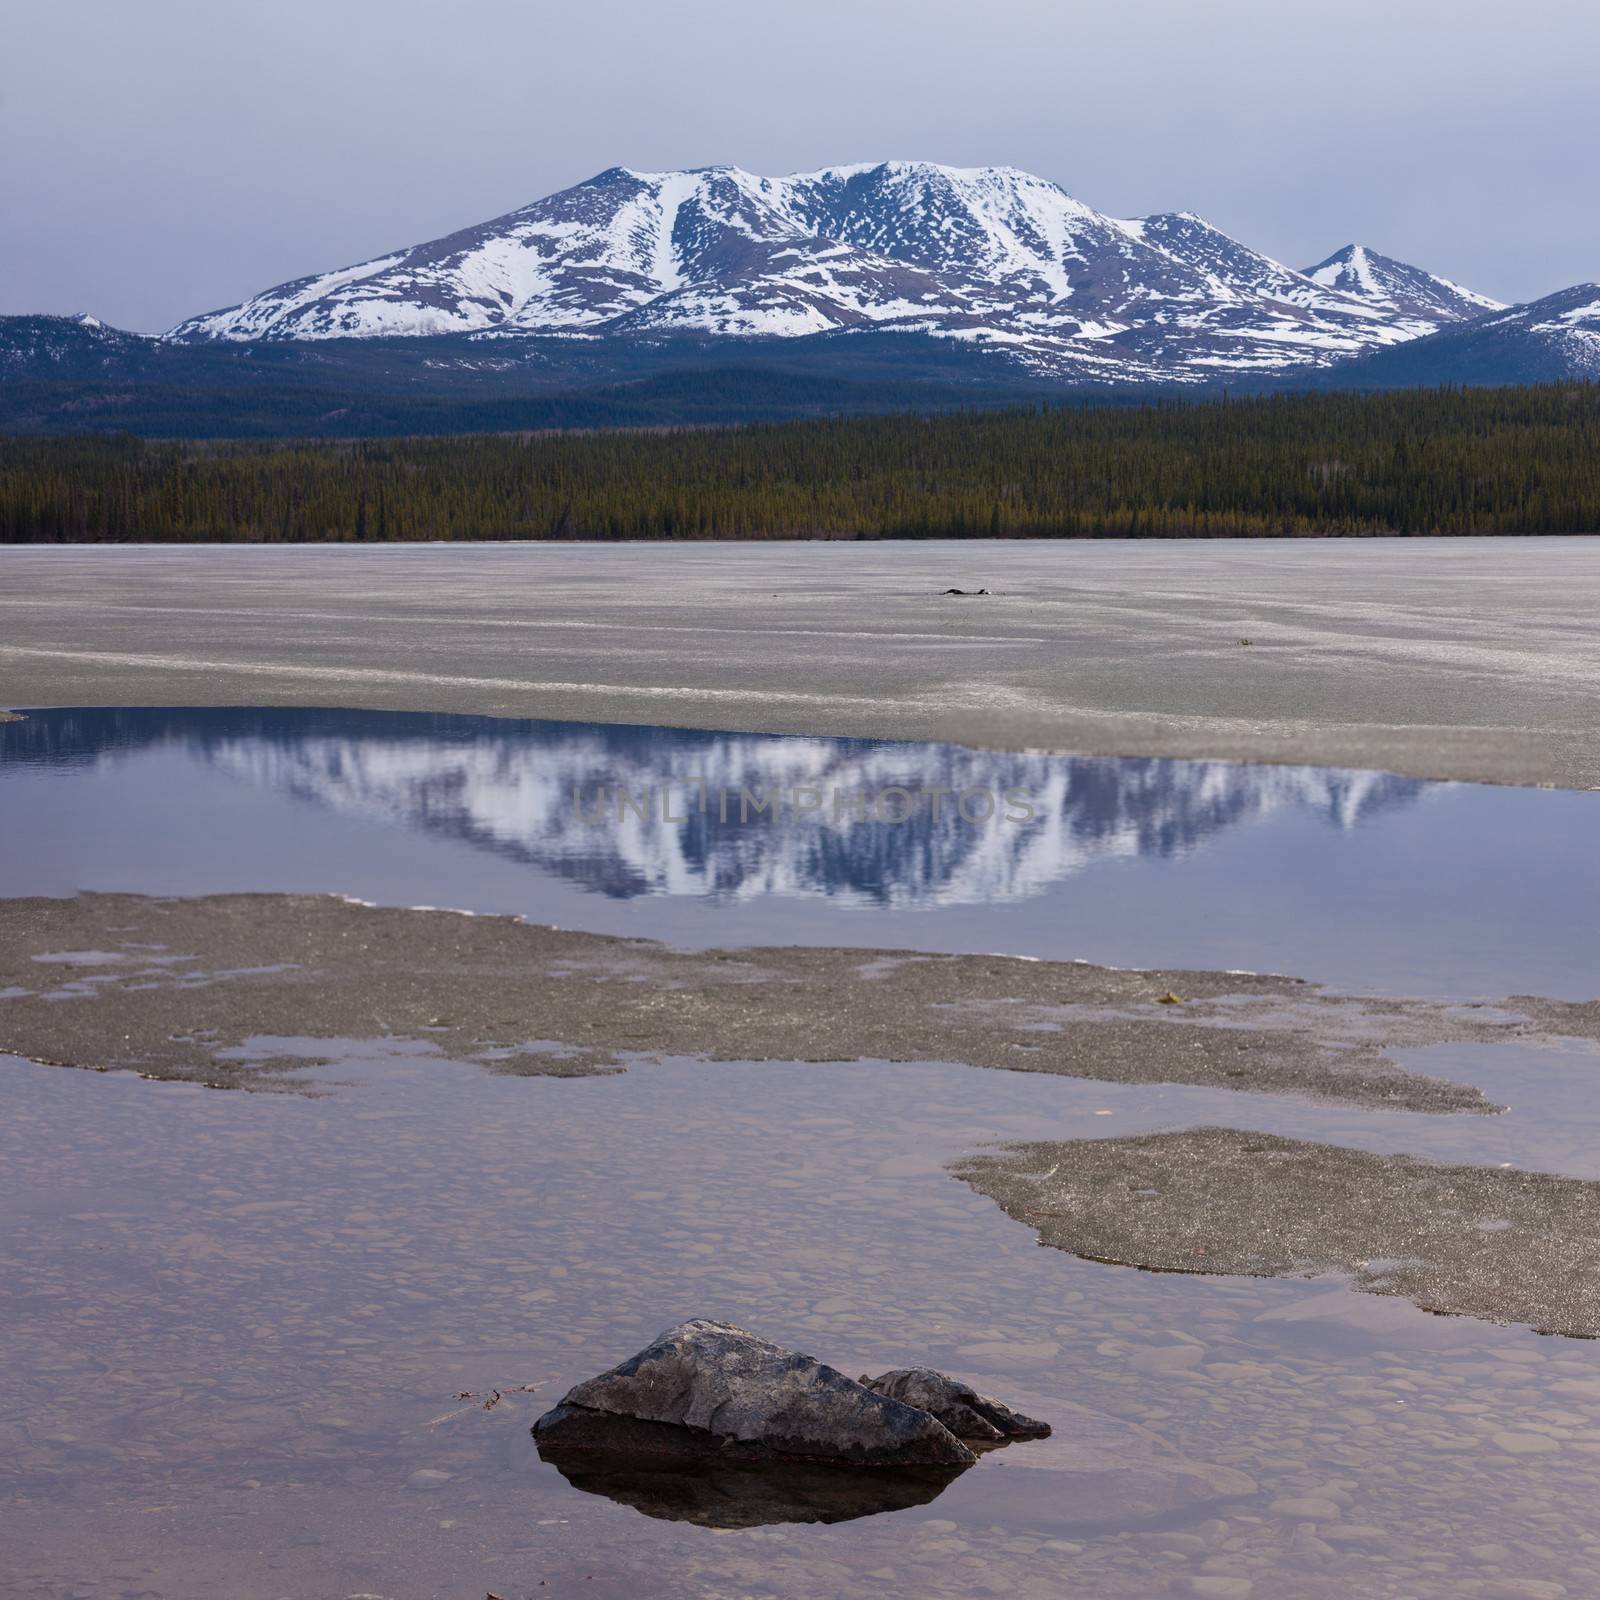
990 255
1400 291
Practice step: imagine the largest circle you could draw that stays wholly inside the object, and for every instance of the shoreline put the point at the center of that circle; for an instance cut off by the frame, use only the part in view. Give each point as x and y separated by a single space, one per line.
107 981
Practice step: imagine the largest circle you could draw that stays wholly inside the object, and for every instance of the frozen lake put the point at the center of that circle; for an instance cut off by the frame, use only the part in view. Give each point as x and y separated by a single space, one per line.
1439 658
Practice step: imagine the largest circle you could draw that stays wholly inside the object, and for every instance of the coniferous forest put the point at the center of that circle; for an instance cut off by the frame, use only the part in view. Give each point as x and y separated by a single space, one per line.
1461 461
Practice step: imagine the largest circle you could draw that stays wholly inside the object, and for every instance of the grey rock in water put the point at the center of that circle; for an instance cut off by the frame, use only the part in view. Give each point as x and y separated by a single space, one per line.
965 1412
739 1397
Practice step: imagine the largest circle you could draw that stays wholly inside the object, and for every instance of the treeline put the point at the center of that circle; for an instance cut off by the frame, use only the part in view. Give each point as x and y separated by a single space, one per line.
1415 462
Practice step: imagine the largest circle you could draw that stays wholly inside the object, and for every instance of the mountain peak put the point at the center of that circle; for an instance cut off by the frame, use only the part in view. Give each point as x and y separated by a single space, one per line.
1397 287
900 166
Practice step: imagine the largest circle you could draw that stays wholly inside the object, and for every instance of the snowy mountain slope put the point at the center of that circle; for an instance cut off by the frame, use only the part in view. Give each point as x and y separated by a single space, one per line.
586 258
1395 289
991 255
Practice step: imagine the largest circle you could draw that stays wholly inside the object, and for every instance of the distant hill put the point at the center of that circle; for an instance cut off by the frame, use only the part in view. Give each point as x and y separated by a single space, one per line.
62 375
1546 341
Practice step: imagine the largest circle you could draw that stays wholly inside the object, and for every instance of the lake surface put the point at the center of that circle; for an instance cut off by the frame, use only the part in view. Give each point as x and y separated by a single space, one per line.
237 1326
1358 879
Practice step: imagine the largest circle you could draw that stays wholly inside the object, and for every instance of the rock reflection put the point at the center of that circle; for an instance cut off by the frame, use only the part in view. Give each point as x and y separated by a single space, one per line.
718 1495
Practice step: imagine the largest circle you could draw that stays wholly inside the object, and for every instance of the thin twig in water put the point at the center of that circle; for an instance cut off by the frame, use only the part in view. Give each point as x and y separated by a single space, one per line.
481 1401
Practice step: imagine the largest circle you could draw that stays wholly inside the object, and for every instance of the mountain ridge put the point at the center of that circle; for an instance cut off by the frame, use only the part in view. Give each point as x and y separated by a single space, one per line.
986 255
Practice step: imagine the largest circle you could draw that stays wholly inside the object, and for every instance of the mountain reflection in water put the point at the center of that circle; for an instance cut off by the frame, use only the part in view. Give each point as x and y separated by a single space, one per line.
633 811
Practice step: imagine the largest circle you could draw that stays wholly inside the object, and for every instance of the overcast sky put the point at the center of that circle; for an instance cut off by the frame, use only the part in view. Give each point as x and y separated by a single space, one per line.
166 157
